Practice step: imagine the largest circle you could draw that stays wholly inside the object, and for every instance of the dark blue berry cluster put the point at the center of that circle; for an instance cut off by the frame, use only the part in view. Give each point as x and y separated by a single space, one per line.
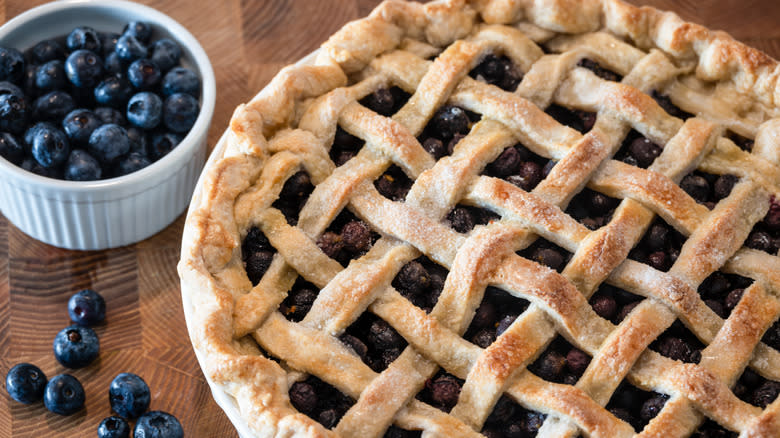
77 346
94 105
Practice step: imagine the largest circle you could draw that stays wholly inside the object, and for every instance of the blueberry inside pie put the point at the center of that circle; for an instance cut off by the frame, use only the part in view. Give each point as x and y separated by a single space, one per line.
498 218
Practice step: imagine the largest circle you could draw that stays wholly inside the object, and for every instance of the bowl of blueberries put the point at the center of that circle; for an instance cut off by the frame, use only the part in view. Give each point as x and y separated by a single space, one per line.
105 108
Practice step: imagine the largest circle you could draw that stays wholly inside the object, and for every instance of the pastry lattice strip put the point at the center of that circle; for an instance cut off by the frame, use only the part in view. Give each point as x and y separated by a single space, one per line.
626 271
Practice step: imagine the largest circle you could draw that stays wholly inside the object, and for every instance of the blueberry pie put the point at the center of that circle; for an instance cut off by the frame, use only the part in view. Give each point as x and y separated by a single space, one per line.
498 218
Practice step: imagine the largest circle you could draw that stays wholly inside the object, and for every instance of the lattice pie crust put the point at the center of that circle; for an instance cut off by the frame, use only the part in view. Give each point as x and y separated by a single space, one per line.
427 50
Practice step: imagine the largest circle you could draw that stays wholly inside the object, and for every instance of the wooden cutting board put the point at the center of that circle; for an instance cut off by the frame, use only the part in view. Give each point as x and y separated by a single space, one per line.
144 333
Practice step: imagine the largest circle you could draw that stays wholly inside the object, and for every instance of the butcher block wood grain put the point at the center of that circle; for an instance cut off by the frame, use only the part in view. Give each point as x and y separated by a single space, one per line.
248 41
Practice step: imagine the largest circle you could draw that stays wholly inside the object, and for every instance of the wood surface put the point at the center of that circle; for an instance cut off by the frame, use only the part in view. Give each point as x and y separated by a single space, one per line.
144 332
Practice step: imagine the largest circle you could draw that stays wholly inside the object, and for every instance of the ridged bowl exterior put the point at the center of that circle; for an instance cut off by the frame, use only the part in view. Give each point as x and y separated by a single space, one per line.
119 211
90 220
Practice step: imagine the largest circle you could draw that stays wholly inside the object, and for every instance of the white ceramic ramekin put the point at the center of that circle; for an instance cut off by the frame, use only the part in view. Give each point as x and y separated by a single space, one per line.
118 211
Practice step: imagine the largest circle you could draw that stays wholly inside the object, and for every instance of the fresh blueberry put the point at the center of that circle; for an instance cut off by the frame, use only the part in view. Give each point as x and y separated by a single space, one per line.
86 307
64 395
109 143
84 68
108 42
13 113
51 76
448 121
161 144
53 106
50 147
113 91
76 346
79 125
145 110
134 161
11 149
129 48
110 115
29 134
166 54
139 29
9 88
181 80
138 140
129 395
81 166
25 383
144 74
113 64
158 424
113 427
179 112
12 65
83 38
45 51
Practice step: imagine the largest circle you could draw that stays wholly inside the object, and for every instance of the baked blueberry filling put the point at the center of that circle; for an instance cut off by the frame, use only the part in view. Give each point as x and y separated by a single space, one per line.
666 103
635 406
446 128
374 341
463 218
386 101
347 238
613 303
638 150
441 391
295 192
497 311
755 389
546 253
560 363
721 292
659 247
519 166
599 71
299 300
393 184
582 121
320 401
498 71
592 209
510 420
765 235
706 188
421 282
345 146
257 254
678 343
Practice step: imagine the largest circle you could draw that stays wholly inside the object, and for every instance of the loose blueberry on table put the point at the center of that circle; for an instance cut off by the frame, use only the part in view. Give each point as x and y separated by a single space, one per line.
86 307
76 346
113 427
64 395
25 383
158 424
129 395
81 82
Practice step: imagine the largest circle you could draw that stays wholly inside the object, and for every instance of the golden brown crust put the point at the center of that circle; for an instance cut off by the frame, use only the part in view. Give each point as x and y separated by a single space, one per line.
290 125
